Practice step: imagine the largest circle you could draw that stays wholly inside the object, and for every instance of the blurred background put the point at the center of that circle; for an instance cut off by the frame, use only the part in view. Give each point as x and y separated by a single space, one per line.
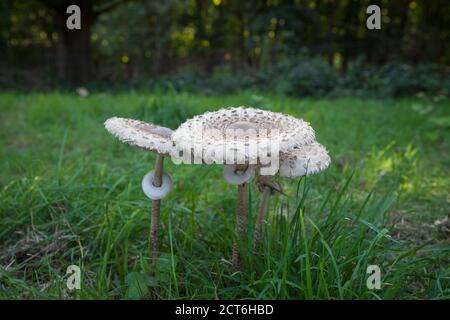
295 47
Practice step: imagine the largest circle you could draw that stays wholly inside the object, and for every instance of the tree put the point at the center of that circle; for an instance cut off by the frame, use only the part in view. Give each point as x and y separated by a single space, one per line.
74 59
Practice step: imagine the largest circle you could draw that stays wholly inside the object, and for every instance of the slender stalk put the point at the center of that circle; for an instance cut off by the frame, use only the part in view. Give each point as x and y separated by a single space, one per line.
241 222
261 217
156 211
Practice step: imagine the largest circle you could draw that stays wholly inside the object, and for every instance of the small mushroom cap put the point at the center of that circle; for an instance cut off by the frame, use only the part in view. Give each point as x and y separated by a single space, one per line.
304 160
244 127
141 134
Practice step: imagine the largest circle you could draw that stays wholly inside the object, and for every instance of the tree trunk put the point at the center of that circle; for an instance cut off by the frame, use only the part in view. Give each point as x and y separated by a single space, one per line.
74 49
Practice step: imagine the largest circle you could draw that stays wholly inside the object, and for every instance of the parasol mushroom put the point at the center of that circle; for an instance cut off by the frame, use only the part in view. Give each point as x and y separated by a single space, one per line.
242 138
156 184
301 161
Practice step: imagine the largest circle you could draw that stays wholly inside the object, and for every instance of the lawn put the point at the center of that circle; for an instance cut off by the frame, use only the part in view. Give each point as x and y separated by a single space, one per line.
70 194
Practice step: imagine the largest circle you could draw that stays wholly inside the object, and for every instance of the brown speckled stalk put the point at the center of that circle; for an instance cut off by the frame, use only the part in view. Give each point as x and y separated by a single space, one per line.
241 222
156 205
261 217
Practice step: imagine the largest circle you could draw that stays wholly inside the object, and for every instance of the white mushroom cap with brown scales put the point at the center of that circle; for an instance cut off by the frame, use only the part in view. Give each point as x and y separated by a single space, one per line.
304 160
141 134
244 127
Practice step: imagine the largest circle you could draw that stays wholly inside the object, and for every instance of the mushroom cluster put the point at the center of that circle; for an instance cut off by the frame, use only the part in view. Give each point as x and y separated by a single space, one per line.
249 142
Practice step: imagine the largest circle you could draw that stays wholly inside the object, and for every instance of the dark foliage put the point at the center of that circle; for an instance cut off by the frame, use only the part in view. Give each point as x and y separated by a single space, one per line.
203 45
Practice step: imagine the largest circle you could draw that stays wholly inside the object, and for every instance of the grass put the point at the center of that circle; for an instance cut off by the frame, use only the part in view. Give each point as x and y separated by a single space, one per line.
70 194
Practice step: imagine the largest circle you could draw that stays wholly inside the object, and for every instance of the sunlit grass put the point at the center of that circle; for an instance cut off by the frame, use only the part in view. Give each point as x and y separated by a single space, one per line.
70 194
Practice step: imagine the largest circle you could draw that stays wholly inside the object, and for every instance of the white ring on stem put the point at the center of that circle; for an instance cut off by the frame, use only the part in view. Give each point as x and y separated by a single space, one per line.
233 177
156 193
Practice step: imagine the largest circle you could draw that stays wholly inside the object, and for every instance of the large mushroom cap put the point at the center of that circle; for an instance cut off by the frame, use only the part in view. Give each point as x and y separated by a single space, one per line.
141 134
243 126
304 160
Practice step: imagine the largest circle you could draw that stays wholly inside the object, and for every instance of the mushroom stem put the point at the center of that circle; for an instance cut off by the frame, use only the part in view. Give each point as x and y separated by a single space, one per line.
261 217
156 210
241 223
